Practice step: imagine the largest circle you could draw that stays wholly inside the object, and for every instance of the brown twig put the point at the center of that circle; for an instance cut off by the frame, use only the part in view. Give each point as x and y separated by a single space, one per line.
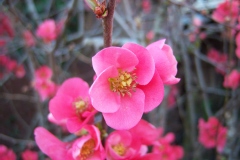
107 24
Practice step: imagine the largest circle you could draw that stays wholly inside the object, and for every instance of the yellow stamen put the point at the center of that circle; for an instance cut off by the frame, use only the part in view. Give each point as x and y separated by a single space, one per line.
119 149
87 149
124 83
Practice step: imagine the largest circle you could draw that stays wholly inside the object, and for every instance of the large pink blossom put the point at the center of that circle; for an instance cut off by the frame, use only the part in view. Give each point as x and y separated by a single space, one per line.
6 153
47 30
29 155
232 80
127 85
87 147
165 62
72 103
212 134
226 11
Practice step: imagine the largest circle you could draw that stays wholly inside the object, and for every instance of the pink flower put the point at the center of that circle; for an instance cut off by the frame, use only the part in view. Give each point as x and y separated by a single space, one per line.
165 62
146 133
52 146
126 86
42 83
47 31
165 150
232 80
43 73
28 38
72 103
6 154
29 155
212 133
220 59
226 11
6 28
87 147
11 65
123 145
146 6
19 71
45 88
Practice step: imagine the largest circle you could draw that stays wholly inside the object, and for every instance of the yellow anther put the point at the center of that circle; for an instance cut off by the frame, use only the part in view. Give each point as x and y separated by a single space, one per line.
119 149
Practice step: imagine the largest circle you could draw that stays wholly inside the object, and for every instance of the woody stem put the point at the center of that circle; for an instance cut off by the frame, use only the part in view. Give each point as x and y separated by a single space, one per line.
107 24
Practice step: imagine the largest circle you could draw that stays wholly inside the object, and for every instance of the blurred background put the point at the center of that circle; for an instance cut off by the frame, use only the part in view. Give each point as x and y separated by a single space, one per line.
202 36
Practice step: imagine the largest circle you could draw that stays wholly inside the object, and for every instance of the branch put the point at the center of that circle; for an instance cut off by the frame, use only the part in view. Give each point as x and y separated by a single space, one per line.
107 24
16 141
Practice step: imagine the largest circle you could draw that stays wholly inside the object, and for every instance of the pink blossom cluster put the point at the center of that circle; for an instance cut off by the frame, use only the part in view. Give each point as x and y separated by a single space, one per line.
8 154
228 11
125 144
43 84
212 134
232 80
196 32
129 82
220 59
10 65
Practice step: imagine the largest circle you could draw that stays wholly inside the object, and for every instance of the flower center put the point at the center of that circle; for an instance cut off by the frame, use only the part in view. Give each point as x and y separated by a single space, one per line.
124 83
119 149
80 105
87 149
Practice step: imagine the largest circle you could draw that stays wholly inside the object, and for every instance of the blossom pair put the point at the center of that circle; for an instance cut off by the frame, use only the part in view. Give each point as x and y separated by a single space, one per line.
8 154
130 81
10 65
43 84
212 134
87 146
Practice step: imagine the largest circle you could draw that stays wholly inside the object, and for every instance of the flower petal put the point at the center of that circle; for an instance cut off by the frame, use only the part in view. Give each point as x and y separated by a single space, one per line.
146 66
154 92
61 107
74 87
50 145
114 56
166 63
130 112
103 99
